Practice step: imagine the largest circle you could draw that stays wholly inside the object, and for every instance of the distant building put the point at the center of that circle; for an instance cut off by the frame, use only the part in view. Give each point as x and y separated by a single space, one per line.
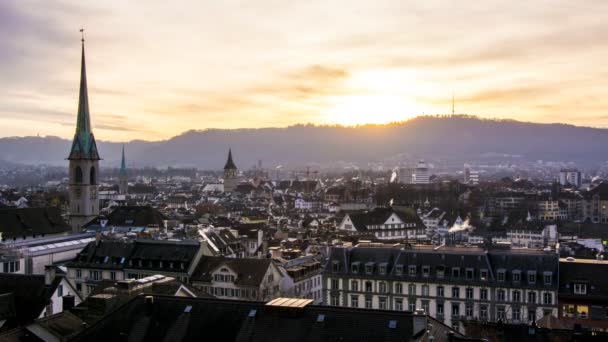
406 175
123 182
83 162
384 224
231 172
570 177
421 174
470 176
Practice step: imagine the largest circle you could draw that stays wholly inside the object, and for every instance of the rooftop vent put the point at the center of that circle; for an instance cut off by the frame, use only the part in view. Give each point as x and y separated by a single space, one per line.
252 313
320 318
188 309
392 324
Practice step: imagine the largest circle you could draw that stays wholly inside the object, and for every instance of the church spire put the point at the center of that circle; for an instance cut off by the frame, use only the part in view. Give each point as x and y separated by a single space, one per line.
123 164
229 163
83 145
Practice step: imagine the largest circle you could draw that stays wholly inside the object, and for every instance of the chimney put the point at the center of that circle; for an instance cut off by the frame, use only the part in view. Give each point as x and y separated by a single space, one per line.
149 302
68 302
49 275
419 321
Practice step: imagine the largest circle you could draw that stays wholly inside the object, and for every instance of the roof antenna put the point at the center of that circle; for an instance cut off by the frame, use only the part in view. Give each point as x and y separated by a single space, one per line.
82 35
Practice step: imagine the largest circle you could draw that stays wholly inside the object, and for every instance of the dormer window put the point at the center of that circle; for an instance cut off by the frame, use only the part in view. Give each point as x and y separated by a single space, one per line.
547 278
426 270
354 267
580 289
531 277
455 272
483 274
369 268
501 275
440 271
335 266
412 270
399 270
516 276
469 273
382 268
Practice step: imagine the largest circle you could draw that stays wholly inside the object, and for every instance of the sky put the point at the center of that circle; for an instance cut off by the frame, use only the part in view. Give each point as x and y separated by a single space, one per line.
158 68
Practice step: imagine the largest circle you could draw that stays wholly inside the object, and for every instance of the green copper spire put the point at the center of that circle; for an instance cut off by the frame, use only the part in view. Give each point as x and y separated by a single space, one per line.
83 145
123 164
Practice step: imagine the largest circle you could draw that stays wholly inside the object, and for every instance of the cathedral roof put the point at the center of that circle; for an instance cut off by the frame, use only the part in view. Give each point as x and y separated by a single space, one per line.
123 164
229 163
83 145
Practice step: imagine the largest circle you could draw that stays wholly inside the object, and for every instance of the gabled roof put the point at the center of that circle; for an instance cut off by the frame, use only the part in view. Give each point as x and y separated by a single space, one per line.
17 222
123 163
230 163
250 271
378 216
83 145
26 294
132 216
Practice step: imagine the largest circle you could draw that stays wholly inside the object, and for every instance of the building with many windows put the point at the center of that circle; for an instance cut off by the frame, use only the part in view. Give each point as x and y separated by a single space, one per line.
450 284
384 224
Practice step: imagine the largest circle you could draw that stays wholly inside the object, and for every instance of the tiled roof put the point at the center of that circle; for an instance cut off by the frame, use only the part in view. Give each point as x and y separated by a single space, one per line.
16 222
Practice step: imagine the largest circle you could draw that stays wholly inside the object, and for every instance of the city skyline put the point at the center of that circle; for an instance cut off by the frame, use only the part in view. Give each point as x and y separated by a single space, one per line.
232 65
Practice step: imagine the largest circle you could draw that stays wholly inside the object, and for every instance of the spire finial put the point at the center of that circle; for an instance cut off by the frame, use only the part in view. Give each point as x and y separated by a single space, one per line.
82 35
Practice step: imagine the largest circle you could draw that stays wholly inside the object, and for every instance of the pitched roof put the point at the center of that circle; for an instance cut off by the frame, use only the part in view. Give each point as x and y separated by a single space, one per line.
230 163
132 216
29 295
197 319
250 271
123 163
15 222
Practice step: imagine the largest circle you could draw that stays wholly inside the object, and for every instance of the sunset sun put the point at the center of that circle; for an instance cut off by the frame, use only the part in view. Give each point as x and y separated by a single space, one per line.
373 97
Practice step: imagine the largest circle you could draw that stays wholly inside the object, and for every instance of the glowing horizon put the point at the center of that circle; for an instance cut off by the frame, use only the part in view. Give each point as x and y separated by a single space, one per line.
160 70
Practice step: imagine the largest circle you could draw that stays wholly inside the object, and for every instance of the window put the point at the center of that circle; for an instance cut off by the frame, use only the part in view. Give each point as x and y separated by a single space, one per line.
531 315
78 274
483 274
78 175
60 291
500 275
368 302
354 301
112 275
468 310
399 270
335 285
439 309
382 303
582 311
354 285
354 268
483 294
455 309
547 298
516 276
369 268
469 293
531 297
368 286
500 313
470 273
335 300
399 304
531 277
382 269
79 287
500 295
483 312
440 291
425 290
440 272
455 272
336 266
516 296
398 288
426 270
412 306
455 292
382 287
547 278
411 289
92 176
580 289
94 275
425 306
412 270
516 314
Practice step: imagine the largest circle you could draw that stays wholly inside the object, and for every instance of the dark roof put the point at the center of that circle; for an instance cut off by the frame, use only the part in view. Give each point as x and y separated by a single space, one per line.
196 319
585 272
27 296
601 190
29 221
109 254
379 215
250 271
444 258
229 162
132 216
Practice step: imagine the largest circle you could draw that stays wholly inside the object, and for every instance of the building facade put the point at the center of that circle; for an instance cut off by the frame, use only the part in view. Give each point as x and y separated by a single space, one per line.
450 284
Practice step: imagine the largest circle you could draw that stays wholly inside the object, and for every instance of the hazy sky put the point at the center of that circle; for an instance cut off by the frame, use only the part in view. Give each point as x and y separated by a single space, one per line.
158 68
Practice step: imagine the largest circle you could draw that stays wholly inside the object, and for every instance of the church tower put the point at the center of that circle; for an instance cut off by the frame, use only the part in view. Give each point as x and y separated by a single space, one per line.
230 174
123 184
83 162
